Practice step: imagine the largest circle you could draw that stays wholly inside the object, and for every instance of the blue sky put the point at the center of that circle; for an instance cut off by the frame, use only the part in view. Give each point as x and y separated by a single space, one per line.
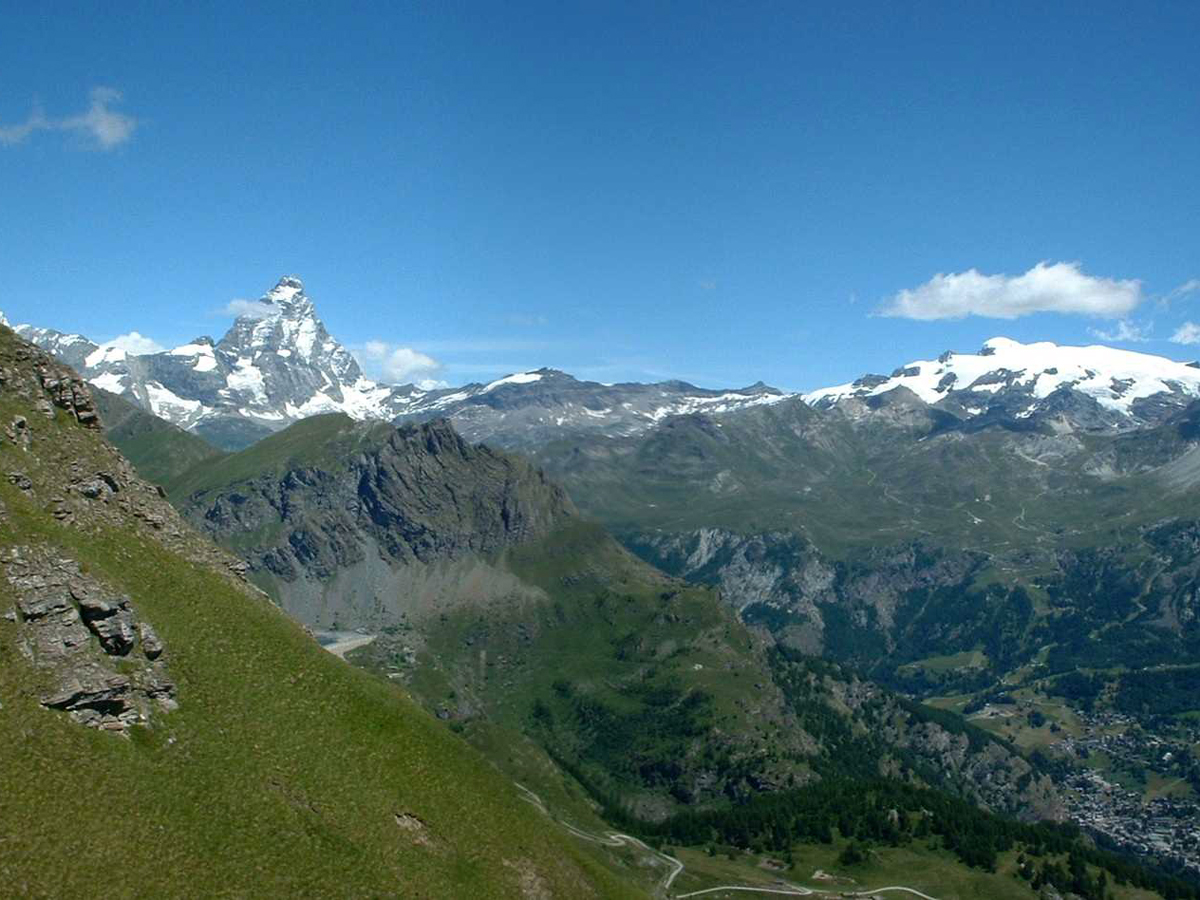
716 192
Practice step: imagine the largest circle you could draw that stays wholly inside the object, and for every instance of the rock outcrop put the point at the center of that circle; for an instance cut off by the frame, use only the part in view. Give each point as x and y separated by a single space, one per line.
374 516
74 629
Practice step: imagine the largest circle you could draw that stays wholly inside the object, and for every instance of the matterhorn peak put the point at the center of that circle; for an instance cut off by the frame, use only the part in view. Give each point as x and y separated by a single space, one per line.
288 296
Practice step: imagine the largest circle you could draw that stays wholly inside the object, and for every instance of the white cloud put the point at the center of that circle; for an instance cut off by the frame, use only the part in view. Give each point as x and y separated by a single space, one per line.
400 364
1047 287
15 134
100 123
1190 286
255 309
1187 333
1126 331
135 344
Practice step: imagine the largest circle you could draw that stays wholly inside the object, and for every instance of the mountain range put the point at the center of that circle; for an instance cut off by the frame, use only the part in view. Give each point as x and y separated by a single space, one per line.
278 365
706 617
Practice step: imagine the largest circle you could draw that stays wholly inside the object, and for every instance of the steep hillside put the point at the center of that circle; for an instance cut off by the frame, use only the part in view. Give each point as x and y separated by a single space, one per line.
907 535
160 451
355 524
184 738
536 636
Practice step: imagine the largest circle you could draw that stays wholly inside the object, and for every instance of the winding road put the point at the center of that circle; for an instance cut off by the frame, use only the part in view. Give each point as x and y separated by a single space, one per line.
616 839
799 891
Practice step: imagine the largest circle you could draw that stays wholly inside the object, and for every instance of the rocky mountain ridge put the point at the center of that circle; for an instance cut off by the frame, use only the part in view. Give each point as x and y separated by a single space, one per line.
277 364
360 515
529 409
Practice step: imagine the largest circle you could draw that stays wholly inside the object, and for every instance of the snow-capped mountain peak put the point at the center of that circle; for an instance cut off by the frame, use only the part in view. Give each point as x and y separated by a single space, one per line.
1123 383
277 363
288 289
285 322
517 378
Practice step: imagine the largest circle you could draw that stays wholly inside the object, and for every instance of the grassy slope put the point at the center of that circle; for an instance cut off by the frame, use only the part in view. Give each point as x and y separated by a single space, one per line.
609 620
158 450
316 440
611 627
281 773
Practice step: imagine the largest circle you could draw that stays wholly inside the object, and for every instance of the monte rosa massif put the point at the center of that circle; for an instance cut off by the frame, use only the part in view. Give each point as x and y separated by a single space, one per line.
280 365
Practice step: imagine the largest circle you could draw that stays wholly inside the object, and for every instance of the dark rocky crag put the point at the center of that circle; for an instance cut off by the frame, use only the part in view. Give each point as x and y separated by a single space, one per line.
368 537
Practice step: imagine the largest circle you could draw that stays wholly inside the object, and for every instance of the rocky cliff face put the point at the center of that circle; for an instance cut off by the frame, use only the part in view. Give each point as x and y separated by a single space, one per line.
343 540
809 600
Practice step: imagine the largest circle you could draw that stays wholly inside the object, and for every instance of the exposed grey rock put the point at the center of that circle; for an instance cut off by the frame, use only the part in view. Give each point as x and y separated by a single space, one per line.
93 489
157 685
111 620
68 391
785 572
70 627
101 486
46 596
412 497
152 644
90 685
20 480
17 431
